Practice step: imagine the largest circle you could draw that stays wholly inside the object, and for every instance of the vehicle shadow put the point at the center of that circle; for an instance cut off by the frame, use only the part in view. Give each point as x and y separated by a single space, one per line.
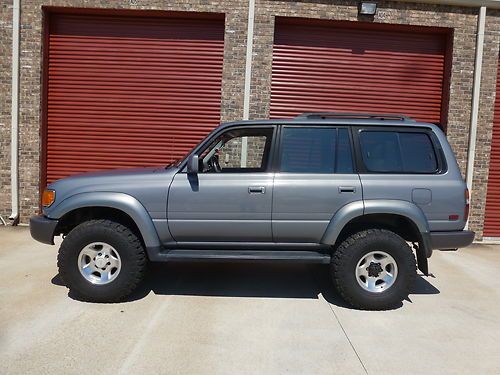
261 280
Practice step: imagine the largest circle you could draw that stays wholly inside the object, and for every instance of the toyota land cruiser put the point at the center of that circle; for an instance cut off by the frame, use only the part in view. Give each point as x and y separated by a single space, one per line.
370 195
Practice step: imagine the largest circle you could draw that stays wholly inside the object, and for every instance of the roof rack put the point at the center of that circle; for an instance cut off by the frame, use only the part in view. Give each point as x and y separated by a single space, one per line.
377 116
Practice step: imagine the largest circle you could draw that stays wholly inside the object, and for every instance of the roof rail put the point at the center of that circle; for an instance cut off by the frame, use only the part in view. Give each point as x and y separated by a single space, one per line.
378 116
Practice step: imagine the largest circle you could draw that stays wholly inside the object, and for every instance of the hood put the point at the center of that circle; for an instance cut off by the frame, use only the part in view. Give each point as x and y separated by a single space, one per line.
145 184
106 177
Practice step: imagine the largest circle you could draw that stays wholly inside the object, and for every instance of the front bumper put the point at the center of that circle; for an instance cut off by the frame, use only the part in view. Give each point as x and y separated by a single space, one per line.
42 229
451 240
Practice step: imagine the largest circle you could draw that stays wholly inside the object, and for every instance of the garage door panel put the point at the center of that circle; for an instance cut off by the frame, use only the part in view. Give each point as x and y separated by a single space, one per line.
345 57
339 70
297 33
129 91
284 91
339 79
330 68
492 210
143 27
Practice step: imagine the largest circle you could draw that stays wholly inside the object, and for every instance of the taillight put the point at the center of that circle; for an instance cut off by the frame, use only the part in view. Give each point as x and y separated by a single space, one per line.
467 202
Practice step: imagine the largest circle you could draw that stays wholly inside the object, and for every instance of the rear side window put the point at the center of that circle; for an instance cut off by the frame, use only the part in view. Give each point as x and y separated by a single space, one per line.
398 152
316 150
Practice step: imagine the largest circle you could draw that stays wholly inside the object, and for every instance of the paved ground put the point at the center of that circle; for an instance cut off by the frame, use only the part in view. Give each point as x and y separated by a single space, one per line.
246 319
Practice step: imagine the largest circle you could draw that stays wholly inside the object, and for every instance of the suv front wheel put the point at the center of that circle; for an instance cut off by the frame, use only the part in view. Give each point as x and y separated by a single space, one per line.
373 269
101 261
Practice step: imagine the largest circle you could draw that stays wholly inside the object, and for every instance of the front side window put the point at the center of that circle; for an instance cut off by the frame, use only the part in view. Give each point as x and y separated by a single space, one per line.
398 152
238 151
316 150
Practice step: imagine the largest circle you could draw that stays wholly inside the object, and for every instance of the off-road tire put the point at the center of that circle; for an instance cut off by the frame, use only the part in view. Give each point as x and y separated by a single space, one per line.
346 257
124 241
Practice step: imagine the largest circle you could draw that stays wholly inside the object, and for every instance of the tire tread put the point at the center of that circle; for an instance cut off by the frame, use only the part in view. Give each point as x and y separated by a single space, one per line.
138 259
341 254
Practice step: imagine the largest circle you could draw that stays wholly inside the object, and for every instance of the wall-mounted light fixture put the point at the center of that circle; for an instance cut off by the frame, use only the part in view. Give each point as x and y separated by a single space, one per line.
367 8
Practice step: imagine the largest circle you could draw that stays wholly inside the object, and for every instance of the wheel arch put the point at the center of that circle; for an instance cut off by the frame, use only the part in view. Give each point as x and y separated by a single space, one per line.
401 217
119 207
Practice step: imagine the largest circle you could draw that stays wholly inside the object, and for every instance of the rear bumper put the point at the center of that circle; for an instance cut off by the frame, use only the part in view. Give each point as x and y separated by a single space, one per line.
451 240
42 229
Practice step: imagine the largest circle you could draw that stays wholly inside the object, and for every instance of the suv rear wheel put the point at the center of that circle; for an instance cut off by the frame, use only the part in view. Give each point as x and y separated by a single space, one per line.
373 269
101 261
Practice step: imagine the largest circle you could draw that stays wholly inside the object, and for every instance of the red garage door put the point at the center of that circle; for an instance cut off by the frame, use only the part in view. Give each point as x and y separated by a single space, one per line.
492 212
129 91
322 66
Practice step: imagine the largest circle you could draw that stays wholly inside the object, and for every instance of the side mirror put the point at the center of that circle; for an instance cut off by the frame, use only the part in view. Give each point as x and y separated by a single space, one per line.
193 165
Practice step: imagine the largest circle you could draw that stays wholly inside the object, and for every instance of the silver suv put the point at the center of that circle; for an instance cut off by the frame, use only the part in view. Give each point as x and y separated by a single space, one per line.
363 193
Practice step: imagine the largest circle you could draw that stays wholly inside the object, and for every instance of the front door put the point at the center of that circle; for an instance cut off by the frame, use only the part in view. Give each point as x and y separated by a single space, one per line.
315 179
230 198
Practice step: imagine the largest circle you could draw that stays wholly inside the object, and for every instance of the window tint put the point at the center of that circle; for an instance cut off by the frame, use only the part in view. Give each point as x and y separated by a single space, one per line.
381 151
315 150
398 152
418 153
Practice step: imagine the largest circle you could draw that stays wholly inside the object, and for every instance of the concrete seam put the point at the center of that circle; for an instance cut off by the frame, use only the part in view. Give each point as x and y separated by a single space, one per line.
340 324
347 336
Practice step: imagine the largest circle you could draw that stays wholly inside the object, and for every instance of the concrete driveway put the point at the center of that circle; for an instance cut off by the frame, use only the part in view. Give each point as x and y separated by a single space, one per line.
246 319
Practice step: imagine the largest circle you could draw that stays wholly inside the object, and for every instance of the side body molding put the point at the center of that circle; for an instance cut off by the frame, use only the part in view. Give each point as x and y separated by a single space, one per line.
119 201
378 206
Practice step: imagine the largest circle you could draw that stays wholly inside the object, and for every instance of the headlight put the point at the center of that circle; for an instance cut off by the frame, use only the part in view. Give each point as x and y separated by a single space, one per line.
48 197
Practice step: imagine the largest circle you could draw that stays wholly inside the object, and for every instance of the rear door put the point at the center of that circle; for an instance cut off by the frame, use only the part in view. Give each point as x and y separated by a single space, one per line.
315 178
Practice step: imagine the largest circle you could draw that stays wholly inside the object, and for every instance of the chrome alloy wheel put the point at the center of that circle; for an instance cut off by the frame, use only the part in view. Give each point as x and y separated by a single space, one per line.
99 263
376 271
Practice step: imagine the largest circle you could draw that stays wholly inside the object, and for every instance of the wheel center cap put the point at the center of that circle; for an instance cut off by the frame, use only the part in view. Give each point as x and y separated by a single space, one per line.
100 262
374 269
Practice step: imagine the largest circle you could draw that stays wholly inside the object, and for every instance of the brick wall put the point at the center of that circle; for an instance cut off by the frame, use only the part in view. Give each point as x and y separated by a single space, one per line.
462 20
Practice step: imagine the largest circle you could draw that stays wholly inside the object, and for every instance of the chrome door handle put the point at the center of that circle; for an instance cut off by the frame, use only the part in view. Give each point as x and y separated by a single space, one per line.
256 190
347 189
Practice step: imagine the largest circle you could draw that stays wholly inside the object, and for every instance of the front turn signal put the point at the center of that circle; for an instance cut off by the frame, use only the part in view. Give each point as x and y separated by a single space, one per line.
48 197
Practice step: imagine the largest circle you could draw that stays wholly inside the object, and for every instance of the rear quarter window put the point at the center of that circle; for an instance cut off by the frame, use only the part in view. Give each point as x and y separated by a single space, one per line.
398 152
